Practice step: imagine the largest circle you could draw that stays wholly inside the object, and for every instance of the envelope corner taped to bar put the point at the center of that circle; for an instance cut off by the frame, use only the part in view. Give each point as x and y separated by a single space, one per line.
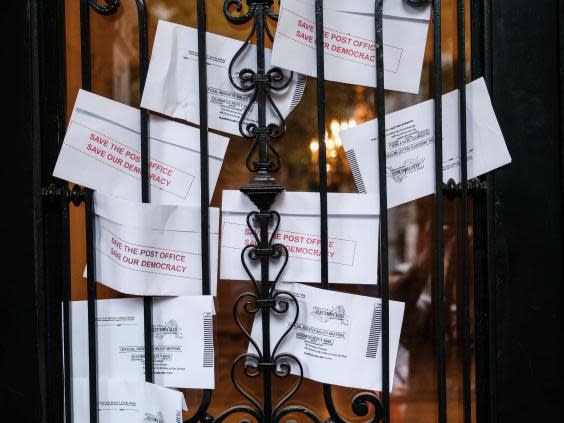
410 146
152 249
126 401
353 225
102 148
349 46
337 337
182 334
172 85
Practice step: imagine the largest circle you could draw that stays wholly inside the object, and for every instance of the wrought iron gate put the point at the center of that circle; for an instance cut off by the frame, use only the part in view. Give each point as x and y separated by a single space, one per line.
262 161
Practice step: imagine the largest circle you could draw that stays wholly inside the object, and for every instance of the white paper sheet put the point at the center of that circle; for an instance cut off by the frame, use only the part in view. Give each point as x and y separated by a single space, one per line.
102 148
353 233
172 82
183 340
350 53
152 249
392 8
122 401
336 338
410 146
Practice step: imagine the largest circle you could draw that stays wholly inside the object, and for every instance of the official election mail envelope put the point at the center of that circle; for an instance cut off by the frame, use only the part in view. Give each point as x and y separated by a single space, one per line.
337 337
121 401
391 8
173 80
102 148
349 45
410 146
353 237
182 336
152 249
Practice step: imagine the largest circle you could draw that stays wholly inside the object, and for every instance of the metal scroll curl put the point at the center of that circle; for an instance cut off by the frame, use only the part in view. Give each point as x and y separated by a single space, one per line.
254 364
251 6
361 405
252 82
108 8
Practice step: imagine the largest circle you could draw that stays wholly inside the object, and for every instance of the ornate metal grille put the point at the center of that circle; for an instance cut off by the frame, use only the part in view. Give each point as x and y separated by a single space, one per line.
269 363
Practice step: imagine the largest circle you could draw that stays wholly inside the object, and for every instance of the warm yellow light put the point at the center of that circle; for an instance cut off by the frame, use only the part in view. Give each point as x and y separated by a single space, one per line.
338 141
333 153
330 144
344 125
352 123
314 146
328 168
335 127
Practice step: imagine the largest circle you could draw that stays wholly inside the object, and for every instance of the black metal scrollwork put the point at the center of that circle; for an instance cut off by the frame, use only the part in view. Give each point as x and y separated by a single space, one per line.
110 7
262 159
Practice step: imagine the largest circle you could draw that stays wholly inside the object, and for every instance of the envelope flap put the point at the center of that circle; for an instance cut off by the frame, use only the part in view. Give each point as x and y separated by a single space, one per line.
153 216
186 136
160 129
306 203
104 108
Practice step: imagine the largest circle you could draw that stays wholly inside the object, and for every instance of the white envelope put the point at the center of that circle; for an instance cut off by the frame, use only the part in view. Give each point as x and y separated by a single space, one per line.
337 337
350 53
121 401
353 225
182 338
162 405
411 146
392 8
172 85
102 148
152 249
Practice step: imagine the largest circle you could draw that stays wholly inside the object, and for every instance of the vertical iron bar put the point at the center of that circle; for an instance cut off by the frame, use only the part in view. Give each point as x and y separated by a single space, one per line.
264 244
384 271
438 286
483 221
322 159
204 160
91 287
260 19
204 171
144 114
464 250
145 182
66 298
90 226
265 314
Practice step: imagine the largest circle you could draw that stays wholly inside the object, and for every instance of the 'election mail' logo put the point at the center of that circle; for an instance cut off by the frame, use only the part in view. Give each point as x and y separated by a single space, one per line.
169 328
399 173
154 418
324 314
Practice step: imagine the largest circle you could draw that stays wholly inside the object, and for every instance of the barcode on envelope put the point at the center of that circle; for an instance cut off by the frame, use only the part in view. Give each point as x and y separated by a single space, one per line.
299 91
208 340
375 328
351 156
